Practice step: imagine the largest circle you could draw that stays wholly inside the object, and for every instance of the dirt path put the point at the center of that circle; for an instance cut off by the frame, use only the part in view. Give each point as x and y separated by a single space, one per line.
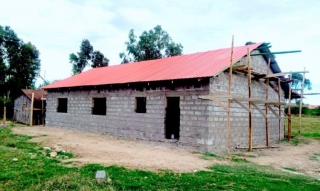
305 158
106 150
95 148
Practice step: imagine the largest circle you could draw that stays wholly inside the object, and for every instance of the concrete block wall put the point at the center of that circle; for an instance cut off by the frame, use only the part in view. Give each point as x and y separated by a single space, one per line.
217 136
194 118
122 121
257 63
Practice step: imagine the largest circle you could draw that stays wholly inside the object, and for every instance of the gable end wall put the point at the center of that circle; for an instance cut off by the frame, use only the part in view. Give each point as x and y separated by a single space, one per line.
217 135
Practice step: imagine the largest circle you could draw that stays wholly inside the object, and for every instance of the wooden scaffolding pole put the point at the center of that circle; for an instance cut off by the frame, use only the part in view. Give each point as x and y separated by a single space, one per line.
258 147
283 73
4 114
301 99
250 105
279 98
289 111
42 108
31 110
266 105
283 52
42 100
229 101
4 110
312 94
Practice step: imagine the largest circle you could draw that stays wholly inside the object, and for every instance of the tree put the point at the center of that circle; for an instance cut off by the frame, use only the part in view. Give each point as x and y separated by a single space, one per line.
298 80
297 83
298 102
80 60
19 64
3 67
151 45
98 60
74 61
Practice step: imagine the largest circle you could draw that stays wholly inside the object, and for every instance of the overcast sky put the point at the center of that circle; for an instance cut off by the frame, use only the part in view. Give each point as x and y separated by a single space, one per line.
57 27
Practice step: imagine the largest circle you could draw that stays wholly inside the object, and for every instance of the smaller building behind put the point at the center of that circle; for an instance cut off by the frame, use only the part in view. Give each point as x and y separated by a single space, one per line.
22 106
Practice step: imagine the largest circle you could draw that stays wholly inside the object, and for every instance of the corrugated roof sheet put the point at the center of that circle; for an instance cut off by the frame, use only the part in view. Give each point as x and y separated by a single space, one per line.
37 94
313 106
197 65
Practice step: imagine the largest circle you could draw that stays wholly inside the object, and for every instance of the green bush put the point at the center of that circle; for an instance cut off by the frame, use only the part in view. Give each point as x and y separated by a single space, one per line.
304 111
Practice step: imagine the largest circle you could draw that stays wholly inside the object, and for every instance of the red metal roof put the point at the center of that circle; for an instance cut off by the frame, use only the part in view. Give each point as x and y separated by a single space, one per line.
197 65
313 106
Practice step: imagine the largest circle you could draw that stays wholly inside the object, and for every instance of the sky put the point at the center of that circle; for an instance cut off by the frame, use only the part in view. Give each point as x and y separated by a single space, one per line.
57 28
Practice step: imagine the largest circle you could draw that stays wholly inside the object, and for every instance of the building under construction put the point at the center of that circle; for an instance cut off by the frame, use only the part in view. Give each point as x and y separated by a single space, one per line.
210 101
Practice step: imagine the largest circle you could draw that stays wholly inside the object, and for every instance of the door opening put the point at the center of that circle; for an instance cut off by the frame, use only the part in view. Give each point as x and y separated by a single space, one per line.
172 118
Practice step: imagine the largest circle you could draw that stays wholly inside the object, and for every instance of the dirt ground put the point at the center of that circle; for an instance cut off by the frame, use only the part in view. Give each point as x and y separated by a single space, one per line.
305 157
106 150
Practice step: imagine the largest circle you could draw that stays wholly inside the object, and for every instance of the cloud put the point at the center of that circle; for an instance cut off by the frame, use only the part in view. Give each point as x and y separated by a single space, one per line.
57 27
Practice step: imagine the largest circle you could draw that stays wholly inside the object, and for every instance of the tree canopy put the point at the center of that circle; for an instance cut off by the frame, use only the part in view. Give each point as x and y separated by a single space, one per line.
98 60
19 63
298 81
152 44
80 60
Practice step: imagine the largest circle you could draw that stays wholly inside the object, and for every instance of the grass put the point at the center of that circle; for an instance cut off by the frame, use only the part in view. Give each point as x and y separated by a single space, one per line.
315 157
44 173
299 140
237 159
295 142
290 168
234 157
61 154
310 127
209 156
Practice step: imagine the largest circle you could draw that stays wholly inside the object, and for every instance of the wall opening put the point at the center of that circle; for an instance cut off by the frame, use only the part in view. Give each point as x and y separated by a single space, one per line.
141 105
62 105
99 106
172 118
